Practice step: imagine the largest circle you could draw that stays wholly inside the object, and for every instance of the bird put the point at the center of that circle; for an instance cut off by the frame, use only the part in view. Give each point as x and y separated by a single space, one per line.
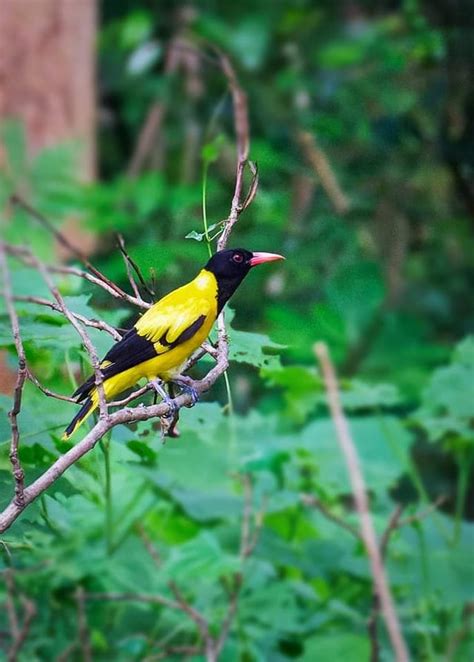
164 337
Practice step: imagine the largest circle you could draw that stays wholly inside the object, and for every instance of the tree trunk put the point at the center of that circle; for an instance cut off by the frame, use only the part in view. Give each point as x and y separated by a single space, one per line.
47 72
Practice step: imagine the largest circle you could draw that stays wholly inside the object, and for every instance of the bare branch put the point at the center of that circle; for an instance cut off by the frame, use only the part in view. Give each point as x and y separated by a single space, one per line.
10 603
188 609
133 396
242 134
95 324
372 627
18 473
318 160
82 333
24 255
220 353
34 213
248 542
417 517
129 265
19 633
47 391
82 626
367 530
123 416
148 544
313 502
156 598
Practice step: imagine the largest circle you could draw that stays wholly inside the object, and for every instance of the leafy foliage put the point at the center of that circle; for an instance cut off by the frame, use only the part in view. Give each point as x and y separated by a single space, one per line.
386 285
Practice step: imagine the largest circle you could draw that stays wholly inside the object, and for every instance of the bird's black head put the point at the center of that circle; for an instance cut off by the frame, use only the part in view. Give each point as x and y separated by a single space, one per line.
230 268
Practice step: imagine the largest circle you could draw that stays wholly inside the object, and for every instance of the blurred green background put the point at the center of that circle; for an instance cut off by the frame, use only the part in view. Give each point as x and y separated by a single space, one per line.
362 125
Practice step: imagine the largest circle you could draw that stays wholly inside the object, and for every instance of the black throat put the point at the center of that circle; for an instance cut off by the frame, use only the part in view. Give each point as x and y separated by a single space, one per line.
225 289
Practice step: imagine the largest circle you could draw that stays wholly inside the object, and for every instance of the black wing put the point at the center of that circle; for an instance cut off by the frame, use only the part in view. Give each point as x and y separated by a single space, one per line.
132 350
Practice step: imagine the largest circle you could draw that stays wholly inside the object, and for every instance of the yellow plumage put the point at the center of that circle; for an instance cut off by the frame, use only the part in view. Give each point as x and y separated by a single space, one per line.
162 325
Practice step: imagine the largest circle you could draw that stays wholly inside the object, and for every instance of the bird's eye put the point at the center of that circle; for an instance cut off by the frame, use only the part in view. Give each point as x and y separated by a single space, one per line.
238 258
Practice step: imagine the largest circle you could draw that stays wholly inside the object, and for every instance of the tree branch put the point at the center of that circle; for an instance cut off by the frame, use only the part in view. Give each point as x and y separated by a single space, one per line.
18 473
18 201
126 415
359 491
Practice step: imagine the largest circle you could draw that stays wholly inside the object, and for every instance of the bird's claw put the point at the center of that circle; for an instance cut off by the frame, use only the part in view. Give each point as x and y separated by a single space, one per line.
186 384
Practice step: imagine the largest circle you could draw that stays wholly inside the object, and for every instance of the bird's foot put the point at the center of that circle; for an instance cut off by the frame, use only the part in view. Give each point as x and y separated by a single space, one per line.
172 412
187 386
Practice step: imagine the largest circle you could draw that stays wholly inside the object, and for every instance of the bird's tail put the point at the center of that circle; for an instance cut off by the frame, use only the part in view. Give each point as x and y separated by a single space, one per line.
89 406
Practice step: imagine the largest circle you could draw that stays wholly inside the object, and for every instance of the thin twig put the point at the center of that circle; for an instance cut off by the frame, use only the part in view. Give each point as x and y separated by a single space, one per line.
174 650
47 391
24 255
10 603
188 609
248 542
242 134
111 596
349 452
313 502
133 396
95 324
141 413
67 652
148 544
82 626
372 621
318 160
18 201
18 473
19 632
123 416
417 517
129 265
86 341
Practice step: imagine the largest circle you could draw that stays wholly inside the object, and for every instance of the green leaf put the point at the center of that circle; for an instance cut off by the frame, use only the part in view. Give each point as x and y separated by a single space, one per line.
448 400
201 558
255 349
339 645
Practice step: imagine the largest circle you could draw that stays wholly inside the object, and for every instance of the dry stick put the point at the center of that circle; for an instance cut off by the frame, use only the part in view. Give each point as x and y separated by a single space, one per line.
242 134
155 116
13 510
18 633
131 264
34 213
10 603
361 503
94 324
18 473
47 391
320 164
82 626
148 544
174 650
67 652
123 416
248 542
313 502
156 598
372 629
86 341
417 517
24 255
30 612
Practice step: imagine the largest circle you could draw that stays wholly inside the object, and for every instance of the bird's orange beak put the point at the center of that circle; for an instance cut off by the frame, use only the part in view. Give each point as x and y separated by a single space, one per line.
260 258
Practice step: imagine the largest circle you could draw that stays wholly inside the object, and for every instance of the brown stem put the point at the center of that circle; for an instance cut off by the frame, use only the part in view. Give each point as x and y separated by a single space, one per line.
34 213
18 473
348 449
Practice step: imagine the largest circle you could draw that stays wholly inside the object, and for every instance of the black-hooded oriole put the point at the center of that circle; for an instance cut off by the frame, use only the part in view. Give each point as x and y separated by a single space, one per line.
162 339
